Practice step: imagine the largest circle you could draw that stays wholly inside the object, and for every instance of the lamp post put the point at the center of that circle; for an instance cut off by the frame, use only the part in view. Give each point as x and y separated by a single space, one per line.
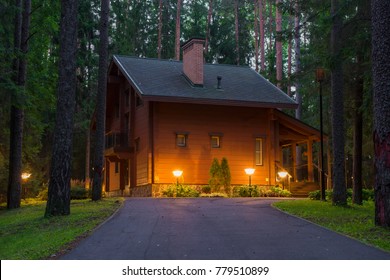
320 76
249 172
177 174
25 176
282 175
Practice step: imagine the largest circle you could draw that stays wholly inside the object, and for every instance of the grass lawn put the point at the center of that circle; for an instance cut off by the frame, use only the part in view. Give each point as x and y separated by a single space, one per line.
26 234
353 220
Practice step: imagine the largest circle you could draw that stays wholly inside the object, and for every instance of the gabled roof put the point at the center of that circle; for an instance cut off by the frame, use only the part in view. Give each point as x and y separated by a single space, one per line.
163 80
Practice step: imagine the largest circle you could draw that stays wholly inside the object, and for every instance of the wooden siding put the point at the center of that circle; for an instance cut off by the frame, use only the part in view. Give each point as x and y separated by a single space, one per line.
238 126
141 133
114 177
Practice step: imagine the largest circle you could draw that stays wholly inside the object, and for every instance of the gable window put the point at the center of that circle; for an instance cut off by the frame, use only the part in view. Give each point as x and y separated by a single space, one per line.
259 151
181 139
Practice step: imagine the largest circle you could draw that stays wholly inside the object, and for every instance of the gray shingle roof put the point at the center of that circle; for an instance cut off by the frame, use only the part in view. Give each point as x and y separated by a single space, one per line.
164 80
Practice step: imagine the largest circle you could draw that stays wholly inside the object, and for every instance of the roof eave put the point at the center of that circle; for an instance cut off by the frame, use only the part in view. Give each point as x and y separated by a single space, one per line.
177 99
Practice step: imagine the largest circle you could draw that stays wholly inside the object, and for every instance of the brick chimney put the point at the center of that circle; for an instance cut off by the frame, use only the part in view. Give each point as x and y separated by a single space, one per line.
193 61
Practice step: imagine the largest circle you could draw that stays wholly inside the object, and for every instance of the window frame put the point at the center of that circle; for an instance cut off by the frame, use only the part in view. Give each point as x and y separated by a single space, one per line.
259 151
183 136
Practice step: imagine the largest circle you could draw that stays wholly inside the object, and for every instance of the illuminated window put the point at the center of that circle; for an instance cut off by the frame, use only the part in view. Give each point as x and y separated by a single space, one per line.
259 151
215 141
181 140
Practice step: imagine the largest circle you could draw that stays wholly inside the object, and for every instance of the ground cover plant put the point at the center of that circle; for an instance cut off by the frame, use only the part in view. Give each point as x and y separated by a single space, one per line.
26 234
353 220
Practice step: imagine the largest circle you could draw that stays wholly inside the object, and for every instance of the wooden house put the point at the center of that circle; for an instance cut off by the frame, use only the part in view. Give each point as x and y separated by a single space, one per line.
165 115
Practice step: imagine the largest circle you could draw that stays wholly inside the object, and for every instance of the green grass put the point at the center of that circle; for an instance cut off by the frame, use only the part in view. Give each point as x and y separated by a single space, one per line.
353 220
26 234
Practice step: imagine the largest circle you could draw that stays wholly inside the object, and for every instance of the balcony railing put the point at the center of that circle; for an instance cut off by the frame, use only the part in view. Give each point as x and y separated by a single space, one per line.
117 139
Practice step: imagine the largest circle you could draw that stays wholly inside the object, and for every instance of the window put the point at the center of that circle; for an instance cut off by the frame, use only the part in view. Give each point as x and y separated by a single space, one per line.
215 141
116 167
181 139
259 151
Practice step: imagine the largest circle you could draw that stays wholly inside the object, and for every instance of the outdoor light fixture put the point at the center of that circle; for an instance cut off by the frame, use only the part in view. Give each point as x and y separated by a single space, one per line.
177 174
283 175
249 172
320 76
25 175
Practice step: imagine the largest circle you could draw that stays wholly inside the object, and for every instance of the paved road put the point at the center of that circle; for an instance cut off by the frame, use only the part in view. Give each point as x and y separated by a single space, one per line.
235 228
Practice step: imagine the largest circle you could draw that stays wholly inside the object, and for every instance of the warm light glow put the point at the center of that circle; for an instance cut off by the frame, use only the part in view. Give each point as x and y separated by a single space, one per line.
249 171
177 173
282 174
26 175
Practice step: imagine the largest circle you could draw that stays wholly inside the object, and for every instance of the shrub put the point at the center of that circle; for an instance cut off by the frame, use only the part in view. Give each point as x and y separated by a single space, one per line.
78 192
206 189
215 175
180 191
213 195
255 191
277 192
225 175
42 195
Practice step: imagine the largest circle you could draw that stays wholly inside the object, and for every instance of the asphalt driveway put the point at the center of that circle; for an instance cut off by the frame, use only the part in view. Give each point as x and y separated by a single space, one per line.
238 228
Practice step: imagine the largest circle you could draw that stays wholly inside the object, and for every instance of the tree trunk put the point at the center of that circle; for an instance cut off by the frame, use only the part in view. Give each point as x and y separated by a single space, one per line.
358 139
209 14
339 189
159 29
237 32
262 45
270 25
298 96
381 68
279 59
101 103
256 29
297 50
21 33
177 37
58 202
87 157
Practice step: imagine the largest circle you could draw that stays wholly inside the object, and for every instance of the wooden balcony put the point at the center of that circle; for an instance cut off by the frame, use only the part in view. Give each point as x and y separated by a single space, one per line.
117 145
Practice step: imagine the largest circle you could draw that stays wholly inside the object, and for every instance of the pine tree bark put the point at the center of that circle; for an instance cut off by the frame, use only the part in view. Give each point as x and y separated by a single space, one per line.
262 44
160 8
380 11
279 58
177 37
209 14
237 29
256 29
98 164
298 96
21 34
339 188
58 202
87 158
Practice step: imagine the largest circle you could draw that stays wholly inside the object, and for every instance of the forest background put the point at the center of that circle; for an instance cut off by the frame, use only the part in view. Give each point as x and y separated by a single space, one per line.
285 41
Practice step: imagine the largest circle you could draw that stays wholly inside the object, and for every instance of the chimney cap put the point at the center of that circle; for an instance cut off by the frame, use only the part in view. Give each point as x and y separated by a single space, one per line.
192 40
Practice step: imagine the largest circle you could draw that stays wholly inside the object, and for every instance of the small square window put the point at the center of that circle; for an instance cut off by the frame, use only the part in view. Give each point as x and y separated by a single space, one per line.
181 140
215 141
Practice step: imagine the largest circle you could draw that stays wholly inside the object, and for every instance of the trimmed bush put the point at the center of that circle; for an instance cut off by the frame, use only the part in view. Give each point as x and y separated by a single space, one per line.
206 189
78 192
180 191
